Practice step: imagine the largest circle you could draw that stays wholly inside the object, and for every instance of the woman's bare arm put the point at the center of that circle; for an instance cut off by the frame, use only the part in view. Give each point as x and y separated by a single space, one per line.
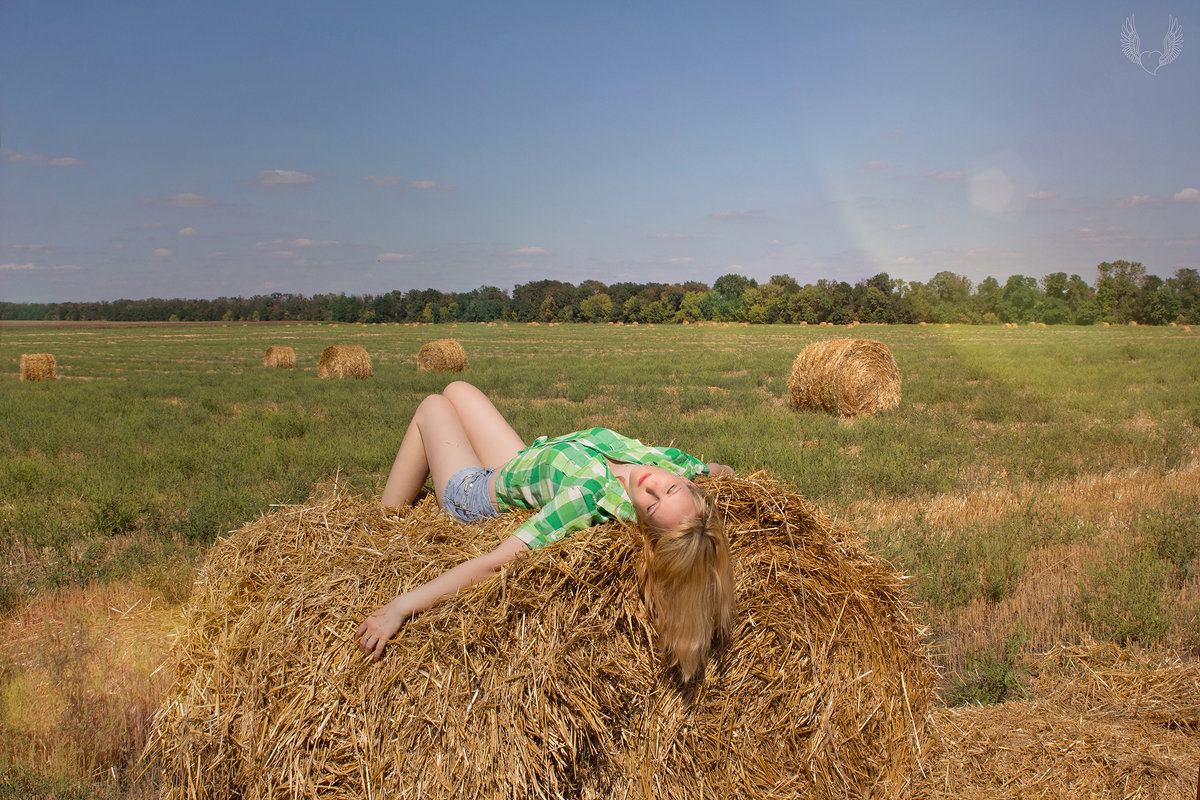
375 631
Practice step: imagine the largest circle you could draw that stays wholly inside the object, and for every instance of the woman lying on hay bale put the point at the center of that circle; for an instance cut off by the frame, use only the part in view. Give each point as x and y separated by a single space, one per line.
482 468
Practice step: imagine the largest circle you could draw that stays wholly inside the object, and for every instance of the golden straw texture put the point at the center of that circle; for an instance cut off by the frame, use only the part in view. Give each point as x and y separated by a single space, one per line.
1103 722
848 377
542 682
38 367
344 361
442 355
279 356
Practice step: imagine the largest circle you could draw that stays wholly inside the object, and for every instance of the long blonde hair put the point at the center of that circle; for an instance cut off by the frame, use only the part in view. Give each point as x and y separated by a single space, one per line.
687 583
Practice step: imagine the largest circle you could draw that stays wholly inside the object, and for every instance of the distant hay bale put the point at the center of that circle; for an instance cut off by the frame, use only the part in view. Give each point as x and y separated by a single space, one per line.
344 361
38 367
541 682
1186 329
848 377
280 356
442 355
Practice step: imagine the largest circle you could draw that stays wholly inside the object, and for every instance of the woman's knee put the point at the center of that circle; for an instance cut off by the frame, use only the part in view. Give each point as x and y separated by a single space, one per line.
456 390
433 405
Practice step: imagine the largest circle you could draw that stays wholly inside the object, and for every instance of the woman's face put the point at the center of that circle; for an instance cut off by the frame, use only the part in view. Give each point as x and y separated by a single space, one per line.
663 499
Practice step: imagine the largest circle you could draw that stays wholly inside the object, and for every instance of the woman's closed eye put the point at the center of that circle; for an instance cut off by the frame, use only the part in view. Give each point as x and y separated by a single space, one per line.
654 505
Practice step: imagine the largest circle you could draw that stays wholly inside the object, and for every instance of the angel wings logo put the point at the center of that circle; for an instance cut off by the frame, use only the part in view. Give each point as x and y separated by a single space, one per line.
1152 60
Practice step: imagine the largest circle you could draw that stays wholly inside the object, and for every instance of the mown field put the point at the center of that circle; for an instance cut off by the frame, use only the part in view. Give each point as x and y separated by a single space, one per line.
1040 485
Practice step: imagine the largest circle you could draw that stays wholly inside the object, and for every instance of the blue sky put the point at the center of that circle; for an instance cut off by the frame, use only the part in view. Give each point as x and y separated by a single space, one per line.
167 149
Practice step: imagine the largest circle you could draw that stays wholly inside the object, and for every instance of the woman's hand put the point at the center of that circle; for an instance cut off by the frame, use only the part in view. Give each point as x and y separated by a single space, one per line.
381 625
716 470
384 621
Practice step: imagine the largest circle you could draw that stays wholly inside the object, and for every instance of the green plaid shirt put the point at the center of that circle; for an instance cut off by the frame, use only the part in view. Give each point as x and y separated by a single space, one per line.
568 479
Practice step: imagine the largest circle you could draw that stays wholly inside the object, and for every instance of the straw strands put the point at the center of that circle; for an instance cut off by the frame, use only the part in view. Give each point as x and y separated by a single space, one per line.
1104 722
38 367
543 681
848 377
344 361
279 356
442 355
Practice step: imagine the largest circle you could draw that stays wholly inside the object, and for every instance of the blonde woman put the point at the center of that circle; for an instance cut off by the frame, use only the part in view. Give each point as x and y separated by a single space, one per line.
481 468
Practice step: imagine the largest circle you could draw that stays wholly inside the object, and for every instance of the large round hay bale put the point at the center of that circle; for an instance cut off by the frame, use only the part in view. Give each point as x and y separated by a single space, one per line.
279 356
543 681
38 367
344 361
442 355
848 377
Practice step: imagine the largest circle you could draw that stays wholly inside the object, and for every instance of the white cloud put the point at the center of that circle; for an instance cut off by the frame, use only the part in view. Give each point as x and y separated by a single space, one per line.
938 175
163 252
679 260
182 200
1181 242
387 257
1188 195
36 159
280 243
1043 195
875 165
384 180
756 213
273 178
13 266
423 184
672 236
1136 200
528 251
901 226
186 232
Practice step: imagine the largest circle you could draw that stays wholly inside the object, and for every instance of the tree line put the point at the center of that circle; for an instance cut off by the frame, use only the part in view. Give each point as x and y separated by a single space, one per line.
1123 293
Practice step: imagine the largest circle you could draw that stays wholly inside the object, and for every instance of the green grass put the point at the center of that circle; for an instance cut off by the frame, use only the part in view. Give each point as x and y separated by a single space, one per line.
161 437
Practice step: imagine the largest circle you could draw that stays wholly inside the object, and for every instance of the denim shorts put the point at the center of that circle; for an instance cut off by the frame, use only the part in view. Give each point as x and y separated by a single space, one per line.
466 496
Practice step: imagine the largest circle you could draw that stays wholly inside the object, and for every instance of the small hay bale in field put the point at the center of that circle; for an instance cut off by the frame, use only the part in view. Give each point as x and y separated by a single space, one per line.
442 355
280 356
848 377
1186 329
38 367
344 361
541 682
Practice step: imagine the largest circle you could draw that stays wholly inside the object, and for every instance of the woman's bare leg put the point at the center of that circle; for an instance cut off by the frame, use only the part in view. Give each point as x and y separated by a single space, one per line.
491 437
436 443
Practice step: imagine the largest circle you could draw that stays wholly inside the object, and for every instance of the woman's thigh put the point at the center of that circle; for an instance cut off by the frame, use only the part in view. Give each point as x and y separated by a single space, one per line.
492 438
445 441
